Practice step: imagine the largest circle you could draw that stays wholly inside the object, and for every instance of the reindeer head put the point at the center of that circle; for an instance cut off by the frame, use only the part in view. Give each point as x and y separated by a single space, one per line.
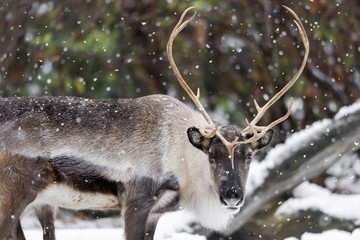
229 148
229 176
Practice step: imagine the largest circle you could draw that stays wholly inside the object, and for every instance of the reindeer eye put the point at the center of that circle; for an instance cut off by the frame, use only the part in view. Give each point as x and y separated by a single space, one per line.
238 151
212 158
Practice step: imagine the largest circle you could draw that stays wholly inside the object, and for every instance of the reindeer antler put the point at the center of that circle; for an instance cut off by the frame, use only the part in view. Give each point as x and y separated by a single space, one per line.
212 129
195 98
259 131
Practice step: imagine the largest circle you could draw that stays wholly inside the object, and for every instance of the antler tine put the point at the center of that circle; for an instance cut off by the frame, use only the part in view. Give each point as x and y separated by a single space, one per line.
261 110
195 98
263 129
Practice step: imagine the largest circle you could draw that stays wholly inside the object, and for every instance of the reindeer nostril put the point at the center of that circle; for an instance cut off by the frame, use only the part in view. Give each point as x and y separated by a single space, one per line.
232 193
232 197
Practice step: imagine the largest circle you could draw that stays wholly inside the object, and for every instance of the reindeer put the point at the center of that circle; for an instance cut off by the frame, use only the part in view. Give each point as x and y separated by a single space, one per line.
143 143
45 215
21 179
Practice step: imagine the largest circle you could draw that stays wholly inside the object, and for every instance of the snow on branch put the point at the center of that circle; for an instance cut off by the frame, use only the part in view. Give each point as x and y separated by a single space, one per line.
296 143
319 200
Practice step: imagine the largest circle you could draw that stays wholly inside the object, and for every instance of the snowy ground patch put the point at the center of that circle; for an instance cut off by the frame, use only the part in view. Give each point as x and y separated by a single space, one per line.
78 234
330 235
172 226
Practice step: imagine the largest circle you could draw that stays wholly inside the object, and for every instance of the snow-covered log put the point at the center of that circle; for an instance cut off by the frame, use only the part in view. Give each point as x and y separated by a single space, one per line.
304 155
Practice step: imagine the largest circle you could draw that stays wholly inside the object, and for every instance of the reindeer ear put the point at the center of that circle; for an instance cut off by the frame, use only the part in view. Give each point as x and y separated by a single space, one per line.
263 141
198 140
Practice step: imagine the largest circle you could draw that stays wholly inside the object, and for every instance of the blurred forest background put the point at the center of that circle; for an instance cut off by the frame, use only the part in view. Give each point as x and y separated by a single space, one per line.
235 51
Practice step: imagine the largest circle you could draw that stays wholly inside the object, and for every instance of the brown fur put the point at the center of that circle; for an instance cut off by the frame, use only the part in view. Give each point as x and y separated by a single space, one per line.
21 179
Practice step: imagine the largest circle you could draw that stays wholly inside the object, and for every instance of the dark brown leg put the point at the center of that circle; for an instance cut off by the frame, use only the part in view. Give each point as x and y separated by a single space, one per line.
45 215
140 196
157 212
20 181
138 202
19 231
151 224
13 200
9 217
16 232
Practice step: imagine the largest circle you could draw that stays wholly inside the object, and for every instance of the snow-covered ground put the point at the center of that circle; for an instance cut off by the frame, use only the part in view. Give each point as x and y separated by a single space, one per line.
168 229
330 235
172 226
78 234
